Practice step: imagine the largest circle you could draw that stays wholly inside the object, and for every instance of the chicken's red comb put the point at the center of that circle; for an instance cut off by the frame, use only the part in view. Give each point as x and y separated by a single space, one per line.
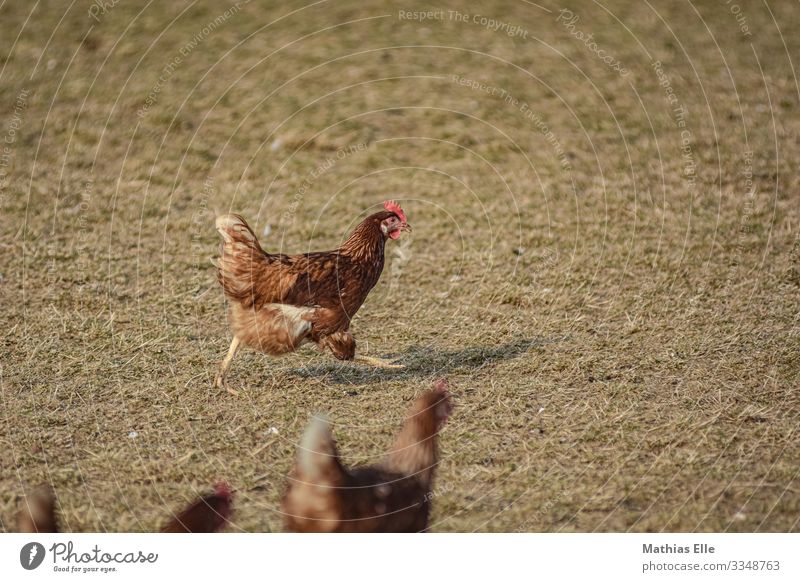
444 404
393 206
223 489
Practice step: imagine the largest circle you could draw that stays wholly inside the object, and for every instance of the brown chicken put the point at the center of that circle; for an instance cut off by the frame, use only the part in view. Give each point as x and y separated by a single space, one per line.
393 496
206 515
279 302
38 512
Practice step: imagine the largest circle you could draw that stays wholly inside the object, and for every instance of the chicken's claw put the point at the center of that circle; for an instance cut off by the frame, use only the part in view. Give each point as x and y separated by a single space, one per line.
378 362
222 384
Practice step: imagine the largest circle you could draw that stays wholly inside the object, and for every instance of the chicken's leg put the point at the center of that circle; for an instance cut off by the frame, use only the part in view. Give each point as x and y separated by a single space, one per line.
220 381
343 346
377 362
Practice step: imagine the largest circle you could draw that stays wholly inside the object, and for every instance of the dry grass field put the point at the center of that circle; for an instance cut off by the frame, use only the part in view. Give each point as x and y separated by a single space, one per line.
605 258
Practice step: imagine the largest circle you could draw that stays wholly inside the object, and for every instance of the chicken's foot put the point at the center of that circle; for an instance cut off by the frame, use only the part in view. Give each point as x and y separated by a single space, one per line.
378 362
220 381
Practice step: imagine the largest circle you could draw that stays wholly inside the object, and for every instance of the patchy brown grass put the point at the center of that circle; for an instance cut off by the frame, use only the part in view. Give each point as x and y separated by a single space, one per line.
623 340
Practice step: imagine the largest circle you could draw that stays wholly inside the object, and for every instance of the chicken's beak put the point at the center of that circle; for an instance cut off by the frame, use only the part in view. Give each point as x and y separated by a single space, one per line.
404 226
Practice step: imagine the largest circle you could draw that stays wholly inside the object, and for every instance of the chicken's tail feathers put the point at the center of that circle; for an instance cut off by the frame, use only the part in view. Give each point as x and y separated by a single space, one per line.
234 227
313 498
317 457
240 257
235 231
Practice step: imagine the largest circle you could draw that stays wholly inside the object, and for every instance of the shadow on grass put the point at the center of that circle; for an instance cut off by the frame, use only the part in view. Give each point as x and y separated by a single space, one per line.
423 361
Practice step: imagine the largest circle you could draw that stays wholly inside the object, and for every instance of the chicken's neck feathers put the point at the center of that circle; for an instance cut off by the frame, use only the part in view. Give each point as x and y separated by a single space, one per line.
366 243
415 451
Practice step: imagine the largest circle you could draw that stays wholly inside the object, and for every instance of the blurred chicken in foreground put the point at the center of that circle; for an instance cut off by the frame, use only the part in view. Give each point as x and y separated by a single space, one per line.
393 496
279 302
206 515
38 512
